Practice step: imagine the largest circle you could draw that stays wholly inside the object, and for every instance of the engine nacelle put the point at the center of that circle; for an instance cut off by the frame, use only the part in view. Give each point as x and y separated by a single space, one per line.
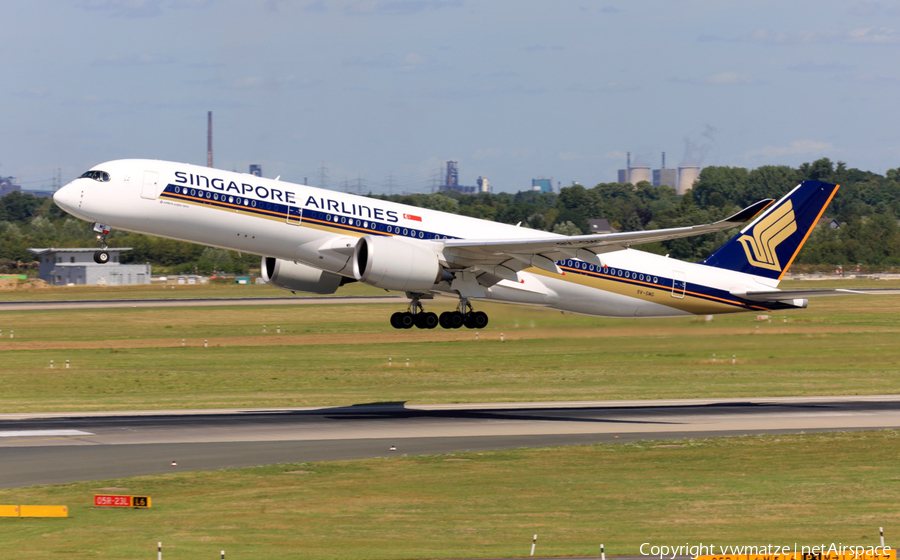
298 277
392 264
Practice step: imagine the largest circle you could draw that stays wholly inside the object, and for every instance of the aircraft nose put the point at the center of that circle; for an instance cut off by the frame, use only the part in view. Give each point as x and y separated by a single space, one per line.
67 198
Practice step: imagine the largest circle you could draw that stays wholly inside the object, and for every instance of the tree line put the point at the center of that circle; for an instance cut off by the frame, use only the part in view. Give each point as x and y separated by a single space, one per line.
867 207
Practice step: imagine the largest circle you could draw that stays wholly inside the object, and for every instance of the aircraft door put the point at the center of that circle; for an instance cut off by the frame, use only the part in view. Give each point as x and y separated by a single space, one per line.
679 284
150 186
293 215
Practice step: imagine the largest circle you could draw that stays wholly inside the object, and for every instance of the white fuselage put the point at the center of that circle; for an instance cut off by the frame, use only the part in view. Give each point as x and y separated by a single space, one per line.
316 226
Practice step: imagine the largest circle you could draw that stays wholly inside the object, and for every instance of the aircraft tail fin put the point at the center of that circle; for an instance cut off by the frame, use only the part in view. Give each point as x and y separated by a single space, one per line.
768 245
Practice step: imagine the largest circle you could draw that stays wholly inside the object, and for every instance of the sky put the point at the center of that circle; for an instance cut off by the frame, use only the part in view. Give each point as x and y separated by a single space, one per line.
380 93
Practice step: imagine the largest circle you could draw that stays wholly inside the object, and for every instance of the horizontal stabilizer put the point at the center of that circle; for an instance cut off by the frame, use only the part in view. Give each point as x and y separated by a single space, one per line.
779 295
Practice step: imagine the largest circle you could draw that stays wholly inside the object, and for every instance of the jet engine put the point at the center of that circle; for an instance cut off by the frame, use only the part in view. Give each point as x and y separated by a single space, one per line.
298 277
393 264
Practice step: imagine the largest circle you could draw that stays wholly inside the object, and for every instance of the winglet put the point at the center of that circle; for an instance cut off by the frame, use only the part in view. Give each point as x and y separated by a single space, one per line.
749 211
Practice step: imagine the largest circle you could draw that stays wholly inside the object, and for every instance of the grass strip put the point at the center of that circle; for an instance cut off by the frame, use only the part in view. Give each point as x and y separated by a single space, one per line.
753 490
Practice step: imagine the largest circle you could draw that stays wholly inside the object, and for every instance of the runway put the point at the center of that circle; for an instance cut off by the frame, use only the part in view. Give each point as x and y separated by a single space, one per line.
50 305
56 448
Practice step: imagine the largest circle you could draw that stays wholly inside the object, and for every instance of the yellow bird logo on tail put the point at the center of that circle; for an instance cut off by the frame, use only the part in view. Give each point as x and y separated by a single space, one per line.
768 235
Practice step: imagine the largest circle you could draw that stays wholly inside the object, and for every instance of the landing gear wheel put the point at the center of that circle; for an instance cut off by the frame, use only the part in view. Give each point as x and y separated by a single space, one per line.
101 257
455 319
395 320
407 320
444 320
430 320
426 320
478 320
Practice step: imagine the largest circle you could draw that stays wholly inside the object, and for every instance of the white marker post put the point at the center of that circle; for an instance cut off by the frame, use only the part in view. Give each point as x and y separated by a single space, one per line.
501 337
390 362
733 358
881 532
205 343
602 553
159 551
182 342
67 364
51 364
533 542
264 328
223 555
278 329
407 362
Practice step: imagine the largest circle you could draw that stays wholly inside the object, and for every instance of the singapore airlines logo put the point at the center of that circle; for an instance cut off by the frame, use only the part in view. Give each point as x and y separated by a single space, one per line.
768 235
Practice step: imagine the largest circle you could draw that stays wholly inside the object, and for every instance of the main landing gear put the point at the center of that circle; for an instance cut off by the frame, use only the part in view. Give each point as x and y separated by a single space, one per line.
464 316
414 316
101 256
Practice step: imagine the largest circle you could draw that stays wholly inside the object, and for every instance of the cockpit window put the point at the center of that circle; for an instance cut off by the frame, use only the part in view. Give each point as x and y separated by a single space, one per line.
96 175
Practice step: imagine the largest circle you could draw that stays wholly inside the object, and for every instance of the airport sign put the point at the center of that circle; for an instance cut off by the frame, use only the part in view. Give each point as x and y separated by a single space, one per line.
103 500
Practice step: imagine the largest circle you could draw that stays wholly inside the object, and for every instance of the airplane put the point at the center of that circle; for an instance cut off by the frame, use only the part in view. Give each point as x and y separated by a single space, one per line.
316 240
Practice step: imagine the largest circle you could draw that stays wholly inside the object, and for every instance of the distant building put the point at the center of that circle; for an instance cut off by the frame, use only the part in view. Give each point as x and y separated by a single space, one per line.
542 185
830 222
663 176
256 170
8 185
483 184
451 181
601 225
668 177
62 267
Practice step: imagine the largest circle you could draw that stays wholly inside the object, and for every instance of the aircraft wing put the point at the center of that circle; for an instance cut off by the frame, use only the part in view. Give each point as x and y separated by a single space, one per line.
542 252
776 295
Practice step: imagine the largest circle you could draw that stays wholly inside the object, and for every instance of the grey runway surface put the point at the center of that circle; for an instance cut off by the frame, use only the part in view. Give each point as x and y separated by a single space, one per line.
55 448
191 302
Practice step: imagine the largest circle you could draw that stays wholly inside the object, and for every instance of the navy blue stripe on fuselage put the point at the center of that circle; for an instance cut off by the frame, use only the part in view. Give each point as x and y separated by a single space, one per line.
305 215
574 266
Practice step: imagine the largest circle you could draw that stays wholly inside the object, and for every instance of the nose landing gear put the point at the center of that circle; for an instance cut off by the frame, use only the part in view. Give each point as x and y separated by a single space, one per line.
101 256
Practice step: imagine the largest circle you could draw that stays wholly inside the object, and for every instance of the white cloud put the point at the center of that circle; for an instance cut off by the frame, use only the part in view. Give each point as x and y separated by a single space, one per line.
826 67
411 62
730 78
796 147
398 7
248 82
126 8
133 60
858 36
873 36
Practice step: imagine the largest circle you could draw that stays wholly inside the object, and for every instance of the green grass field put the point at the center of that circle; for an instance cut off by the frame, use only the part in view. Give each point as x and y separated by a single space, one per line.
338 355
805 489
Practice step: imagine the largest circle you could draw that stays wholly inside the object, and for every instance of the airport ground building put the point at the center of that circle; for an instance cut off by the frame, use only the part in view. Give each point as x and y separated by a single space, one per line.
63 267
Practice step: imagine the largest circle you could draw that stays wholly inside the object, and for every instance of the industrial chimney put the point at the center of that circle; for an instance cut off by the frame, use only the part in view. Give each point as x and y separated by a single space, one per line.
209 139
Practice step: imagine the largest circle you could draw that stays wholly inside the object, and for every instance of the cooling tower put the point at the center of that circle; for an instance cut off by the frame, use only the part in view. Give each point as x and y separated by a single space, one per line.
637 174
686 177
